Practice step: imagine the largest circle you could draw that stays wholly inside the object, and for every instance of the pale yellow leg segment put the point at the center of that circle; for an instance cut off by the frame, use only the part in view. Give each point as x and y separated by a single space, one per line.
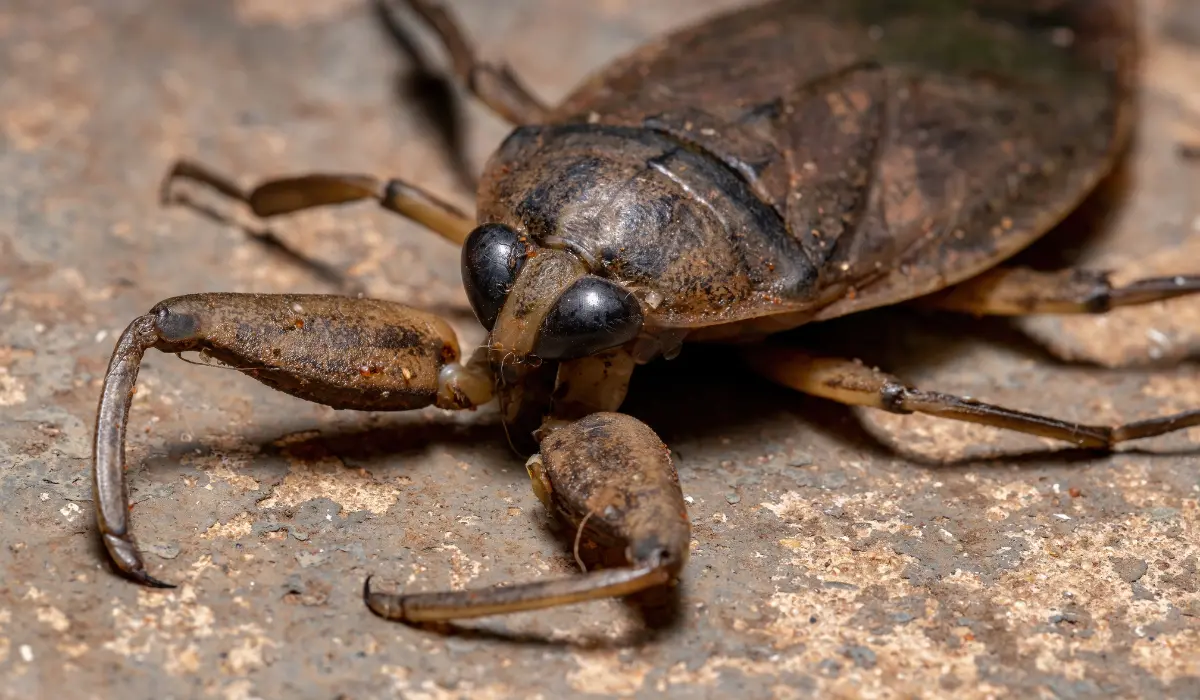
849 382
285 195
1019 291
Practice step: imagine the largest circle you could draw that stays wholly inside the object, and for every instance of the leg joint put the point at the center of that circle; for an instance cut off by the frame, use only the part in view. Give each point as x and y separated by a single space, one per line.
891 397
1099 301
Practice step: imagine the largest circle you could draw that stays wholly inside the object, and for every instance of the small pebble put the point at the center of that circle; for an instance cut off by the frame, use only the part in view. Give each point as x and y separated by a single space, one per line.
732 498
1130 568
309 559
861 656
166 551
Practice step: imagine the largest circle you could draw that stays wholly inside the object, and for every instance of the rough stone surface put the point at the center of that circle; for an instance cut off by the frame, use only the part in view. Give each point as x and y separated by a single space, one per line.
837 552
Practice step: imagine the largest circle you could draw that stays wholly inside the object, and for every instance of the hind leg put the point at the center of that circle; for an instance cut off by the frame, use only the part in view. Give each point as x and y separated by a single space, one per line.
495 85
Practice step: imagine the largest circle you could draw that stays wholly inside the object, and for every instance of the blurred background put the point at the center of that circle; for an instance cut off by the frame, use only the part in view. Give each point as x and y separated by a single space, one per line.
836 552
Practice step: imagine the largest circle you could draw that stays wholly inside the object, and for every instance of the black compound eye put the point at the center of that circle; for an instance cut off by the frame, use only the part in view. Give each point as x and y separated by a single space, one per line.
491 258
592 315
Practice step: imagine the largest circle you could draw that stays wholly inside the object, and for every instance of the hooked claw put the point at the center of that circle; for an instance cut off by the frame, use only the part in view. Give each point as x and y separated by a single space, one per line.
112 513
451 605
129 562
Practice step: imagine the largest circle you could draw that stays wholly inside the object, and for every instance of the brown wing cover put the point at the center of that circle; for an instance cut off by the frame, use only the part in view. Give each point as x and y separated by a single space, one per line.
907 144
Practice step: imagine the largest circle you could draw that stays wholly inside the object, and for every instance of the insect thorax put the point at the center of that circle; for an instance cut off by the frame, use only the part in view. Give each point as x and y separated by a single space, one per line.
672 224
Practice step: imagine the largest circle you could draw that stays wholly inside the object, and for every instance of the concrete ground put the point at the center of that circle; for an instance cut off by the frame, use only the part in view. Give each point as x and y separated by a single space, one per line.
837 553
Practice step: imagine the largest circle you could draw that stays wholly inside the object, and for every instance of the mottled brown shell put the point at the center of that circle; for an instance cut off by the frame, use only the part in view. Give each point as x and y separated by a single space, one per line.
612 471
902 145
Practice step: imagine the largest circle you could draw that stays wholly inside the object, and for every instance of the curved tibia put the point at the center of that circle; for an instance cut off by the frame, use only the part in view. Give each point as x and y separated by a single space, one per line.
108 453
451 605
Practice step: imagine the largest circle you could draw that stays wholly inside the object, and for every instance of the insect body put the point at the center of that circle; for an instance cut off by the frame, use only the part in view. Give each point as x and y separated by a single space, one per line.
783 164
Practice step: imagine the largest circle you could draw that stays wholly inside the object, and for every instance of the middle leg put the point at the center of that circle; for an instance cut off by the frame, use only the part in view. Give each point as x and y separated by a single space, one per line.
288 194
851 383
1020 291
